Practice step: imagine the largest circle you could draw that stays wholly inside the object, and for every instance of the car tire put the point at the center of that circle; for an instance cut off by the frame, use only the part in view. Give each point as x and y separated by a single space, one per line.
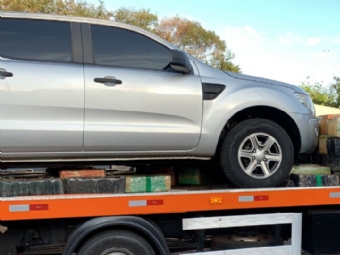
116 241
257 153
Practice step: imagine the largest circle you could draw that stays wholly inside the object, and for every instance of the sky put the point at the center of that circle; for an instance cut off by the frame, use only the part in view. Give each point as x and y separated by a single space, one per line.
285 40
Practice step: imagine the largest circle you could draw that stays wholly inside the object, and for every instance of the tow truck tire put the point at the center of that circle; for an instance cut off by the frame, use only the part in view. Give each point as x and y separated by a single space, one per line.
116 242
246 160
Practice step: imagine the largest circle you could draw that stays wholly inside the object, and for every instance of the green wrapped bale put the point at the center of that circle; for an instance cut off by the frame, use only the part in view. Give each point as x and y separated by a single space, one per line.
191 176
310 169
313 176
330 180
147 183
334 163
94 185
305 180
18 187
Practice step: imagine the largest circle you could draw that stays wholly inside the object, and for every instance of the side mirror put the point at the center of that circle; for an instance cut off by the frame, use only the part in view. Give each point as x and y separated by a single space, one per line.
180 62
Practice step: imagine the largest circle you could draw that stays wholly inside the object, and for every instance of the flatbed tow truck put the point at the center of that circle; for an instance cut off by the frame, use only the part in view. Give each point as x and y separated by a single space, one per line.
74 112
168 222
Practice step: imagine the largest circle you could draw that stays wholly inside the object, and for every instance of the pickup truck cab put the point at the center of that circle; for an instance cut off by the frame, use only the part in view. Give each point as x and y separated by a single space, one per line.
85 90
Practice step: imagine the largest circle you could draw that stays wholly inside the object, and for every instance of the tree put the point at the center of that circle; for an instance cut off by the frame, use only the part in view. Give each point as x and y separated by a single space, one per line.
318 93
323 94
223 62
63 7
142 18
43 6
189 36
335 92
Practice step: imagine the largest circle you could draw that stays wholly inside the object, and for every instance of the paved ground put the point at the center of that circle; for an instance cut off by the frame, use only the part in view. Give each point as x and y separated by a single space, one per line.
285 243
302 253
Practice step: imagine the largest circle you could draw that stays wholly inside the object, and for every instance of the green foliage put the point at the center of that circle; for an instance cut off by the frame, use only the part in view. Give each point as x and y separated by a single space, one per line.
335 91
327 95
140 18
44 6
62 7
223 62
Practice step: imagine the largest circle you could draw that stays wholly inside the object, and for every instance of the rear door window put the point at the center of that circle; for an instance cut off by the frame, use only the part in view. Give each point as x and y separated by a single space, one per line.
35 40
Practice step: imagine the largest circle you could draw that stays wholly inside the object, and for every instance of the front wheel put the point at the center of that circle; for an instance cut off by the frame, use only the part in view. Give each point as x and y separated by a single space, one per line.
116 242
257 153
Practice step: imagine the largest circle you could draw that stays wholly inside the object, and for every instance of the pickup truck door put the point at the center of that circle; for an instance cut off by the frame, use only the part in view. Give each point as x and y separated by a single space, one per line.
41 89
134 102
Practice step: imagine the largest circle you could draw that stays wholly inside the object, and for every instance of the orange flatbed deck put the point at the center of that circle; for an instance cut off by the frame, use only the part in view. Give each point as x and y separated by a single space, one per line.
175 201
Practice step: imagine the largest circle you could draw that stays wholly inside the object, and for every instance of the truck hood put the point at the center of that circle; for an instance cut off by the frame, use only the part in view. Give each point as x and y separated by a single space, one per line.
264 81
208 71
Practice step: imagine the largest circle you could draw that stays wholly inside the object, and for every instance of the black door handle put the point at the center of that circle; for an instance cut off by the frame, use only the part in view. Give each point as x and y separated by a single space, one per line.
6 74
108 79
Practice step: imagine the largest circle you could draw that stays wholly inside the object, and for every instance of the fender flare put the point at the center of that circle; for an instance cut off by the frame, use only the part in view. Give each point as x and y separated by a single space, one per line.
132 222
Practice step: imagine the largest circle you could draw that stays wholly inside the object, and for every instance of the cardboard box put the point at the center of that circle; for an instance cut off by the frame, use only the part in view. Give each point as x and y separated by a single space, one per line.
333 127
323 124
323 144
323 120
147 183
87 173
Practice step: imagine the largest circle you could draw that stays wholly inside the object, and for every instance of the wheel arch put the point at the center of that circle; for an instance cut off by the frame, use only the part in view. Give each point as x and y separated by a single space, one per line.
145 228
265 112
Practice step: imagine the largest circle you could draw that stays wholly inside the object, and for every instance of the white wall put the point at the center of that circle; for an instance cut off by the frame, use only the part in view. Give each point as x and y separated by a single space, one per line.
323 110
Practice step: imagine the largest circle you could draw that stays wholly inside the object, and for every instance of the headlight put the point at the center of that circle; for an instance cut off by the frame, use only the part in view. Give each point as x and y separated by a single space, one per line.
306 100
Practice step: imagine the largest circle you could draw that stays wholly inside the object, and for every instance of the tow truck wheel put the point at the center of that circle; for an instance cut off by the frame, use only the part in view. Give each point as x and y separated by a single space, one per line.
116 242
257 153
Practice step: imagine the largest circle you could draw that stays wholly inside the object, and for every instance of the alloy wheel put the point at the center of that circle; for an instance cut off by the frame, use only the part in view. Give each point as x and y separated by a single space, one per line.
259 155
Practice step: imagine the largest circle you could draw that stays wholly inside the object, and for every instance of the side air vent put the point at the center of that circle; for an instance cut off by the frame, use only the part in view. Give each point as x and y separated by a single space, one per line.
211 91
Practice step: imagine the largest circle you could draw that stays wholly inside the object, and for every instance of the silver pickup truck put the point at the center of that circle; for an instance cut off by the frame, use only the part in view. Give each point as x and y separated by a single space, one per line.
85 90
